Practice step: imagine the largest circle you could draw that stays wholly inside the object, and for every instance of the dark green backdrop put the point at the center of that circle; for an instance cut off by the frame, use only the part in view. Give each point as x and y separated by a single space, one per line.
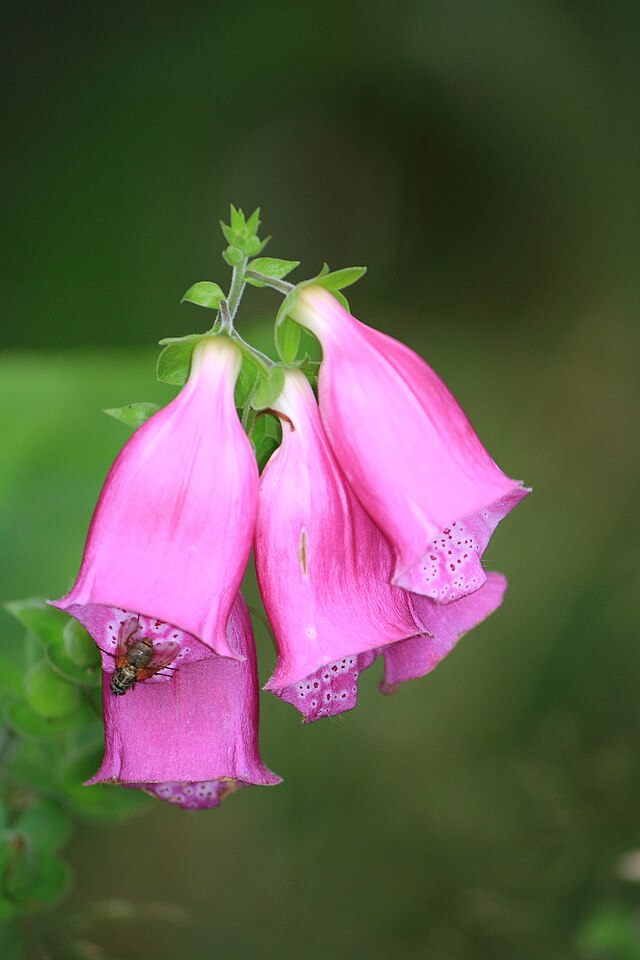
479 158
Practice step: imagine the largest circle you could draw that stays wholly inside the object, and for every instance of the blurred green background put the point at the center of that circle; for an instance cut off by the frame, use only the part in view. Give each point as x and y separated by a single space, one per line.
480 158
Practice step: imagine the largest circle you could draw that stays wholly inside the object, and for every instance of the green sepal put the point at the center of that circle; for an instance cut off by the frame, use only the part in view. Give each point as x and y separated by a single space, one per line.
40 618
342 300
174 362
133 414
233 255
46 823
204 294
270 267
268 388
265 437
339 279
250 372
102 801
287 335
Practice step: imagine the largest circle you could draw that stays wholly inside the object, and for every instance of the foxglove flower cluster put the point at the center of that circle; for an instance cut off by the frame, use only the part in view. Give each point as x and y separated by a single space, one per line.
368 524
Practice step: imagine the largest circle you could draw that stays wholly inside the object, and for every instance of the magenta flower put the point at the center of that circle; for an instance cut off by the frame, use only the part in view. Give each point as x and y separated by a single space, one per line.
324 573
408 452
172 530
190 738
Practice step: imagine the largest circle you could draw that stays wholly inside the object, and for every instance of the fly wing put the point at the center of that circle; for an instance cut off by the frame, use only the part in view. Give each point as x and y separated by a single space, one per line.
125 635
164 653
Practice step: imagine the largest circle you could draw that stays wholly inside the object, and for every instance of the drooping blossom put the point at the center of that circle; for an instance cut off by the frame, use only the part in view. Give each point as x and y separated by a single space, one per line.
190 738
324 572
408 451
171 533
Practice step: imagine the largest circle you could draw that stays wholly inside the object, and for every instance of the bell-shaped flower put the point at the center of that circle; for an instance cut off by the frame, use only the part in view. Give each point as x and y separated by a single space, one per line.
408 451
324 572
188 735
171 533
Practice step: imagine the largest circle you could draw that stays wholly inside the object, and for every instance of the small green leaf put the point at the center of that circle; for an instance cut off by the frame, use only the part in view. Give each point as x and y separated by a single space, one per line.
268 388
251 246
204 294
79 646
253 223
174 363
287 335
270 267
340 278
265 437
90 676
46 823
133 414
40 618
47 693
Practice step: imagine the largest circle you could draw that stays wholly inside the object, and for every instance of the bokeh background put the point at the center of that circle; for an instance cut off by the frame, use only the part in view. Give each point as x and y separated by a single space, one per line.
480 158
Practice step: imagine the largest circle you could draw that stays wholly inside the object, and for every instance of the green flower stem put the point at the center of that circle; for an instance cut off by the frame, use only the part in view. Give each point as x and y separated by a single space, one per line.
236 289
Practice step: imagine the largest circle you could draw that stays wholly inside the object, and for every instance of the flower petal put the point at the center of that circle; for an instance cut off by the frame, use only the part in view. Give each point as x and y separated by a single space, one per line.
408 450
171 534
200 727
323 566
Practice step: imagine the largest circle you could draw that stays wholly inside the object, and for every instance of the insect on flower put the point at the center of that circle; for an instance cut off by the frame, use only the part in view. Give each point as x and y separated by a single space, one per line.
139 658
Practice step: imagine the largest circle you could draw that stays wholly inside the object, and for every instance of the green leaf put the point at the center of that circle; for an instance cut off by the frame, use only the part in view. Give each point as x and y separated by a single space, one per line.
133 414
268 388
46 823
253 223
245 384
79 646
40 618
270 267
29 724
35 877
102 801
311 369
340 278
11 676
287 335
47 693
204 294
265 437
174 363
11 937
89 676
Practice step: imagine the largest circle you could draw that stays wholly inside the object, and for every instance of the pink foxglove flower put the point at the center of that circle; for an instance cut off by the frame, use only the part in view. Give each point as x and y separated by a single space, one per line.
324 572
408 451
171 534
190 738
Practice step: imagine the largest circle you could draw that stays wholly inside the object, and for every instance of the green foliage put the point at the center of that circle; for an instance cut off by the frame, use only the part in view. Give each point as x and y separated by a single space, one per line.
287 336
204 294
133 414
270 267
268 388
265 437
242 236
174 362
50 744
